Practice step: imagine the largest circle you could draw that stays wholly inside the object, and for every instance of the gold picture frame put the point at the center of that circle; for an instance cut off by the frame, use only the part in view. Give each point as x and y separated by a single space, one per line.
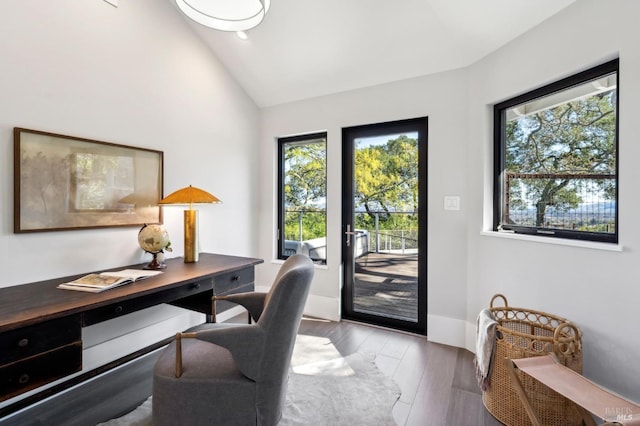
66 182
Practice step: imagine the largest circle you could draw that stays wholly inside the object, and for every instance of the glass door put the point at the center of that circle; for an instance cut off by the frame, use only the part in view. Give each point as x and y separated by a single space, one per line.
384 224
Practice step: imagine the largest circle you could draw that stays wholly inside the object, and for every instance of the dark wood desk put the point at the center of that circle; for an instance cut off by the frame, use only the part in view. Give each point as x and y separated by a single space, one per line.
40 325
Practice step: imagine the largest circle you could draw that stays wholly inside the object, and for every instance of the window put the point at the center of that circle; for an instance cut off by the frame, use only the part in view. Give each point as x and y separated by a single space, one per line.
302 196
556 158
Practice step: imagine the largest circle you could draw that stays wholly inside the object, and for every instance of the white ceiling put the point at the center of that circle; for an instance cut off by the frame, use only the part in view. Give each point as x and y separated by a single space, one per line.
308 48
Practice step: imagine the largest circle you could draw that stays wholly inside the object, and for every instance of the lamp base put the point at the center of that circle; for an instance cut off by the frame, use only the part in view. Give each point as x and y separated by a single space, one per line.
190 236
155 263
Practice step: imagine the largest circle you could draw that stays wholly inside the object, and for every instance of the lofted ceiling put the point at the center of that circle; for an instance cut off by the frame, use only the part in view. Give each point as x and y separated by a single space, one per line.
306 48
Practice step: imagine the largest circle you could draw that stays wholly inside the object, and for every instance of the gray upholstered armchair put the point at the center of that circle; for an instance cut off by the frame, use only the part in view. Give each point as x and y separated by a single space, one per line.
235 374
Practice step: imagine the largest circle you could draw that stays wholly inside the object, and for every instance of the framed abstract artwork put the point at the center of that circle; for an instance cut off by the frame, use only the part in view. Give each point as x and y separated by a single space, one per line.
66 182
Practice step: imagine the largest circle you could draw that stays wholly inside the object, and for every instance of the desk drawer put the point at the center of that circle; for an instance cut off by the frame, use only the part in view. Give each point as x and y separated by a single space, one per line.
30 373
226 283
202 302
132 305
31 340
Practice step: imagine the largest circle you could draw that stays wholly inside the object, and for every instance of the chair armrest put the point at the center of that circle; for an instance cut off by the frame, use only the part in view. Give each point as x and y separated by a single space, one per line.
245 342
252 302
179 337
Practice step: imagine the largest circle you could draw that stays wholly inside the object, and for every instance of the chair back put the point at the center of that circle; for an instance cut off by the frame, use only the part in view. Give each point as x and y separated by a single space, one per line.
280 319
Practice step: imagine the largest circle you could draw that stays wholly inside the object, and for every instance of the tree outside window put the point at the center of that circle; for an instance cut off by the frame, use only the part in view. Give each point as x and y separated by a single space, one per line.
557 169
386 189
302 212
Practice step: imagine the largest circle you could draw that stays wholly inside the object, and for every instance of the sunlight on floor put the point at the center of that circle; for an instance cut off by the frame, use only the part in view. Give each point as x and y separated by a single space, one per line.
393 295
316 356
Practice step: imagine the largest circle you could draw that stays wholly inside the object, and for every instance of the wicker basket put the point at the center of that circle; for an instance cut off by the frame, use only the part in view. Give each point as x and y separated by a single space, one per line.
523 333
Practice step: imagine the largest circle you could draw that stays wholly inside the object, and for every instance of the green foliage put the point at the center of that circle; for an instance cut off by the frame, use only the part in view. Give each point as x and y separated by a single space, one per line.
386 183
305 181
395 228
576 137
597 227
305 190
387 176
314 225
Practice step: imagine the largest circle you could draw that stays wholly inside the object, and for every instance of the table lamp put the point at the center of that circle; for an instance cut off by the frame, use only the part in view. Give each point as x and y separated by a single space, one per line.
190 195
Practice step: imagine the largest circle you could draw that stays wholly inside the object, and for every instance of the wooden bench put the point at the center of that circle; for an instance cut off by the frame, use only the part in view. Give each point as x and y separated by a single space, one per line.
588 396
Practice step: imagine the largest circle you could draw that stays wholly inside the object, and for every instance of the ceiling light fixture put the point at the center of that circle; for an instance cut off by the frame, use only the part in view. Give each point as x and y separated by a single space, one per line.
226 15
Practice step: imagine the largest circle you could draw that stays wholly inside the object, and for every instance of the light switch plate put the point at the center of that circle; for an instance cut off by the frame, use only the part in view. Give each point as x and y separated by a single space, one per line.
451 202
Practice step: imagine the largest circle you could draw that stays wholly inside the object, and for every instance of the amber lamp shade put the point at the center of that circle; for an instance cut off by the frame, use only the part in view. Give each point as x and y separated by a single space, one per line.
190 196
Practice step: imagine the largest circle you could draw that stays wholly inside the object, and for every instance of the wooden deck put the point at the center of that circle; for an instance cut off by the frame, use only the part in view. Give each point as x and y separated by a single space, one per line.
387 285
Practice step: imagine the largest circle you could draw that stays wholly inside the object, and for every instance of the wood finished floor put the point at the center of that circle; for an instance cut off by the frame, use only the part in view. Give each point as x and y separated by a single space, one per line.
437 381
387 284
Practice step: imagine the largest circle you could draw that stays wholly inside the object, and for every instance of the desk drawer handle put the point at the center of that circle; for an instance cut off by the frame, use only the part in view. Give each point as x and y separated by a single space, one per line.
23 379
119 309
23 343
195 286
235 278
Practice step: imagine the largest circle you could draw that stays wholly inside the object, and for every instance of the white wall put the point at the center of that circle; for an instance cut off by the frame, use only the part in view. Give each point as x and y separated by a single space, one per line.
596 289
134 75
442 98
137 75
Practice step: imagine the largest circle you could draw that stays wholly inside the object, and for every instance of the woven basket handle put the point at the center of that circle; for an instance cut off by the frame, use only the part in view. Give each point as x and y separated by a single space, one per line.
495 296
565 346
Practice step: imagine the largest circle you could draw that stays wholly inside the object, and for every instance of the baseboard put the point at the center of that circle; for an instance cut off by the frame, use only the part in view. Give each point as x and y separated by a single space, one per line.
230 313
322 307
448 331
471 337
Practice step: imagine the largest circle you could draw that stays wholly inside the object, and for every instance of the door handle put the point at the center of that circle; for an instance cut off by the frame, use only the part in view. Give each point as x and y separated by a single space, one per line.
349 233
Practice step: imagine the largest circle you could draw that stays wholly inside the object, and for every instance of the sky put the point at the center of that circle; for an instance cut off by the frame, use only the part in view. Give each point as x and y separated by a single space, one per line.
381 140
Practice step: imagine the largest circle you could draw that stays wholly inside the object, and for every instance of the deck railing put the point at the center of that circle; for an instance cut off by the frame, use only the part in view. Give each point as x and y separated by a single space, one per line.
592 210
390 232
386 232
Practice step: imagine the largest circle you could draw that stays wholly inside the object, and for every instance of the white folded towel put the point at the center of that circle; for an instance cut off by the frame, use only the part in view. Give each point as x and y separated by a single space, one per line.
485 342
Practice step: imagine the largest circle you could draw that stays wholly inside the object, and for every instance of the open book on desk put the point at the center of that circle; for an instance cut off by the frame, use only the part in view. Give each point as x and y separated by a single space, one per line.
95 283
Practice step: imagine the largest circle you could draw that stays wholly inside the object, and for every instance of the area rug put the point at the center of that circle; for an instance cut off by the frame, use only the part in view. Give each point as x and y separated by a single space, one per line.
324 388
